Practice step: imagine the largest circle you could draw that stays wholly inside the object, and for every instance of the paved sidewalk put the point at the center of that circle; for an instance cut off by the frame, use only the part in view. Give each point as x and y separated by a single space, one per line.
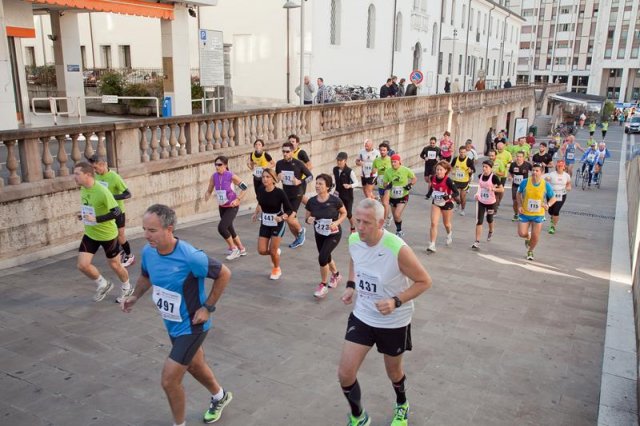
497 340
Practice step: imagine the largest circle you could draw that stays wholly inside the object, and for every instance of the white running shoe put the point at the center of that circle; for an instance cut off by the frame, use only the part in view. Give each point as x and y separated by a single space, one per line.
475 245
102 291
462 213
127 260
243 252
235 253
124 293
449 238
431 248
321 291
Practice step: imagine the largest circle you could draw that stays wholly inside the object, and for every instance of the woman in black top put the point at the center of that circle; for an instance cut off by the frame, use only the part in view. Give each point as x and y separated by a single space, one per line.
326 212
273 209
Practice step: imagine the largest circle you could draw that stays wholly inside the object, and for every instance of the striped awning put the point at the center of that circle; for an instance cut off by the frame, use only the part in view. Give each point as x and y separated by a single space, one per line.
125 7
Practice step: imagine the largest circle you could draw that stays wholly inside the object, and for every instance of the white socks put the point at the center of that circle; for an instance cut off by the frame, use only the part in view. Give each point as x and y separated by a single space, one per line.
218 396
101 282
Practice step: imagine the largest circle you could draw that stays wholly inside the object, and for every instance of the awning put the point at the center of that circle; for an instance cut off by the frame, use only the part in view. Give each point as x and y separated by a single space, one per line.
125 7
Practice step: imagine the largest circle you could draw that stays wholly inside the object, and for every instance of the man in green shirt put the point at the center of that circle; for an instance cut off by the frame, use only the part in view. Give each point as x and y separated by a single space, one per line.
114 183
98 213
500 169
380 166
520 145
398 180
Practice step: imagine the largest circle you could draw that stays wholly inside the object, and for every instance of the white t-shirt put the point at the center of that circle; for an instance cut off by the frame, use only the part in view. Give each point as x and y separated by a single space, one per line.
558 183
367 158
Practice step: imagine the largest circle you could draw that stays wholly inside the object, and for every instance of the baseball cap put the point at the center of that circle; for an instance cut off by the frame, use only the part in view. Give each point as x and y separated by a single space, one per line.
395 157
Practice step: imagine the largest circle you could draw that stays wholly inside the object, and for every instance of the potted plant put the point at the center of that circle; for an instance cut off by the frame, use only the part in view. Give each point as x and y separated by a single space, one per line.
197 92
138 106
112 83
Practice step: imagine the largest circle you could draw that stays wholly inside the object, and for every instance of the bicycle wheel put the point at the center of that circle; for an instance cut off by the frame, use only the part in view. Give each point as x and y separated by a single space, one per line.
585 178
578 177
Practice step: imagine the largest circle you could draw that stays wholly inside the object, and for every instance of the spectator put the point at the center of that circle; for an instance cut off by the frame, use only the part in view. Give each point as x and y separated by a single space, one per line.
324 95
309 90
447 86
480 84
401 89
507 84
531 140
412 90
394 85
488 142
455 87
385 90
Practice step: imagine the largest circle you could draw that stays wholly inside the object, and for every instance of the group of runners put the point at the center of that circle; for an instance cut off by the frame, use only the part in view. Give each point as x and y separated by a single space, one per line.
383 270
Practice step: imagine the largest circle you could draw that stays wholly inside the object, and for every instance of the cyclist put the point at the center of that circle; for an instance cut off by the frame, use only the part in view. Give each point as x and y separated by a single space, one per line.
589 160
603 153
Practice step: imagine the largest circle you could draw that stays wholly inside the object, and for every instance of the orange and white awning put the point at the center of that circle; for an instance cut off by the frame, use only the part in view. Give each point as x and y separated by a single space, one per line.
125 7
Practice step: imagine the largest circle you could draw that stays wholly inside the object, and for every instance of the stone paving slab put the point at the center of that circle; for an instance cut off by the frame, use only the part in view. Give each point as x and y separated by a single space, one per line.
497 340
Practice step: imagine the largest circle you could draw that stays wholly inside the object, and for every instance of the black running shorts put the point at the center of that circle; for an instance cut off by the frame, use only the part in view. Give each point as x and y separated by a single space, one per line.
89 245
389 341
185 347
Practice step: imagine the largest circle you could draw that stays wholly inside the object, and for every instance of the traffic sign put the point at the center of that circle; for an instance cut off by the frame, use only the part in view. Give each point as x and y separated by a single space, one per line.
416 77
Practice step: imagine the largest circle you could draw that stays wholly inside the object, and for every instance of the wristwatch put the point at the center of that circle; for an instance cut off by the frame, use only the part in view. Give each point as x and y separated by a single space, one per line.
398 301
212 308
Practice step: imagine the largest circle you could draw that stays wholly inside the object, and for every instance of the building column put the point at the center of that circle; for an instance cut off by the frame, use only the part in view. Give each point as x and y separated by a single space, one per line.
68 61
176 64
8 117
624 81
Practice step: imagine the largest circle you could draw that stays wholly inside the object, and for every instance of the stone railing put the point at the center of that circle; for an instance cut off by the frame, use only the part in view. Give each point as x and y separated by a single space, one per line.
170 159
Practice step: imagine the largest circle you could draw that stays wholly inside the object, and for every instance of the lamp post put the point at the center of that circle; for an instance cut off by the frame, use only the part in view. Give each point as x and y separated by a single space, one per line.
291 5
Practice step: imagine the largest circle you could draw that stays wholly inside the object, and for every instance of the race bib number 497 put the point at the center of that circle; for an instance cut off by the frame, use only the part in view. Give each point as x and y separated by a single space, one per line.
168 303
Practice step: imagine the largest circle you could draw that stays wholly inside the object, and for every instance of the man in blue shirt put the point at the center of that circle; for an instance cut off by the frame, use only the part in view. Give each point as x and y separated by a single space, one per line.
175 271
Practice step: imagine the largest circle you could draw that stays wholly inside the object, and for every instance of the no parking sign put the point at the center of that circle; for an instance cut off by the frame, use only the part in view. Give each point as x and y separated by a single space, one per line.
416 77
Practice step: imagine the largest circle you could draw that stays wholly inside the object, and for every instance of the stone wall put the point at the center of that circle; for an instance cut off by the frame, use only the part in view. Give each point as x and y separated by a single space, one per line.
170 160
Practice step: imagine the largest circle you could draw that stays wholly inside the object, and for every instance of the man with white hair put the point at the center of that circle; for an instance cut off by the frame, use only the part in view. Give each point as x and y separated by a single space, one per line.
365 160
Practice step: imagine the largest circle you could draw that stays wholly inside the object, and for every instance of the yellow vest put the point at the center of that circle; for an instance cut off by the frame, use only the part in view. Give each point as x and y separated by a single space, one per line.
461 170
533 198
259 161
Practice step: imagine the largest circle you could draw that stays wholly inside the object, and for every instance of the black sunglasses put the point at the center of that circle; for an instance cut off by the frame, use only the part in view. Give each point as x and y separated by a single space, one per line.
286 151
219 164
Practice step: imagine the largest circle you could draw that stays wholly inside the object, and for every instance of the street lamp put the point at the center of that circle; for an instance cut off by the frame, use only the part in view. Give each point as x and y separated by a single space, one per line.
292 5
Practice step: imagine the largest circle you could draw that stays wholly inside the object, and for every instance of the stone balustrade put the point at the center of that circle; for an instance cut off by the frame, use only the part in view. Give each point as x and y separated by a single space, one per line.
169 159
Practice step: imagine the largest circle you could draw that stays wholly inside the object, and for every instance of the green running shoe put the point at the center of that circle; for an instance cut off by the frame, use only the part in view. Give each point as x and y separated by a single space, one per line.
401 415
214 412
514 218
363 420
552 229
529 255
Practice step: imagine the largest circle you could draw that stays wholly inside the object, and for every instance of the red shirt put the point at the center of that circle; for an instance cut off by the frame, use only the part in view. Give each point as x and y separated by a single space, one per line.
531 140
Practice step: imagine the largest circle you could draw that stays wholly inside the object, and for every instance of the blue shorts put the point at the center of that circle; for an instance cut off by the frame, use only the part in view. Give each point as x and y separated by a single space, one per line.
381 192
569 161
526 218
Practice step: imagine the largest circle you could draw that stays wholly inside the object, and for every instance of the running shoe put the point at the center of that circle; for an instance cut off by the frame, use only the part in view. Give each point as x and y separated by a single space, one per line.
401 415
387 222
475 245
276 273
552 229
321 291
243 251
363 420
514 218
400 233
102 291
235 253
214 412
529 255
527 243
124 293
335 280
431 248
127 260
462 213
489 236
299 239
449 238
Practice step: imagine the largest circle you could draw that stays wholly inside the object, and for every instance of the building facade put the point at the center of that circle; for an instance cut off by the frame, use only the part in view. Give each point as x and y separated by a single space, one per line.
591 45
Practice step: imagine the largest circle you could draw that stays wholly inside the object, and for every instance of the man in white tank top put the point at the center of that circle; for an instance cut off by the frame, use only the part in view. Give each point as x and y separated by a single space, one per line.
387 276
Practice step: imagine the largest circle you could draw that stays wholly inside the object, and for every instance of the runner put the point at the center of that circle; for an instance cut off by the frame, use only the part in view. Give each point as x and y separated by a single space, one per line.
222 182
561 183
446 147
291 171
500 169
592 127
553 145
114 183
568 152
259 160
463 169
301 154
603 154
431 155
176 271
98 213
346 180
444 192
589 159
488 185
398 180
471 151
273 209
518 171
326 212
365 160
543 157
605 127
520 145
535 195
387 276
380 166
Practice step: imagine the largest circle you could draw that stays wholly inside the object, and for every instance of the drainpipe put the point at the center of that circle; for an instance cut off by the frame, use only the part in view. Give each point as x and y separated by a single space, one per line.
393 36
486 54
466 49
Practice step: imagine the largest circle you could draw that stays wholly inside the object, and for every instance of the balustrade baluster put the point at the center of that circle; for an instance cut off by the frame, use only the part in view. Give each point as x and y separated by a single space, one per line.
88 146
209 134
164 141
254 134
271 126
62 156
144 145
12 163
290 124
216 134
47 159
75 148
264 128
182 140
225 133
155 143
202 141
173 141
232 133
102 146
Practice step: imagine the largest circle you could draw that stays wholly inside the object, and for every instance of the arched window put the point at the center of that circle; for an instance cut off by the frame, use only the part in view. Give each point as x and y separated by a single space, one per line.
434 40
417 56
371 27
397 42
336 7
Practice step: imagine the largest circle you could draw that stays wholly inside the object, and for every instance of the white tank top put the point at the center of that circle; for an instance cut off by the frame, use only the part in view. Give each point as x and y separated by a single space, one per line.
377 277
367 158
559 183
